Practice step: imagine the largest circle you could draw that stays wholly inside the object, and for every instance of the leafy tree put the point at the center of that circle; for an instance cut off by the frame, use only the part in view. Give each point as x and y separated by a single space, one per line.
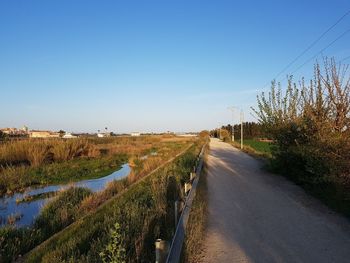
204 134
61 133
310 124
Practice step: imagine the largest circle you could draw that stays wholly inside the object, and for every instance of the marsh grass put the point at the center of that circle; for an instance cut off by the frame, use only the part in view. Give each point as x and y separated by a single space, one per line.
17 178
63 213
143 210
46 161
56 215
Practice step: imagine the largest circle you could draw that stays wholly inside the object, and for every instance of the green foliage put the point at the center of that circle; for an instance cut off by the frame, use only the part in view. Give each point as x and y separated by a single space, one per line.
144 213
195 229
259 146
310 126
45 161
18 177
251 130
114 251
56 215
61 211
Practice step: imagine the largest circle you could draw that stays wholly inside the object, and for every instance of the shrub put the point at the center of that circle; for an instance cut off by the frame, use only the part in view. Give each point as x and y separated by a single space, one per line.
310 126
114 251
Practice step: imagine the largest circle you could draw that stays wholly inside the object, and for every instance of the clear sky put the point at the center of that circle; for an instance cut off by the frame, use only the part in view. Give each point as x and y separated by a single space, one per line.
151 65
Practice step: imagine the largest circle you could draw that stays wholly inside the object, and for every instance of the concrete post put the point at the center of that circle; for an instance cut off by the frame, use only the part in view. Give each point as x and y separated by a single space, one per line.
162 250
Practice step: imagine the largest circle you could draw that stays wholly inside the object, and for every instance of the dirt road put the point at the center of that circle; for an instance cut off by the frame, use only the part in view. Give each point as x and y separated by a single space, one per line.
255 216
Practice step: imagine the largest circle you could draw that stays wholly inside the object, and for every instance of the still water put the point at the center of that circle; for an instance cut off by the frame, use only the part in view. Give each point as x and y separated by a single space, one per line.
27 211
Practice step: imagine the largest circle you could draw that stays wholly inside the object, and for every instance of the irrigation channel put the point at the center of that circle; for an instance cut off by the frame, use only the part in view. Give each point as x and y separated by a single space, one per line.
26 206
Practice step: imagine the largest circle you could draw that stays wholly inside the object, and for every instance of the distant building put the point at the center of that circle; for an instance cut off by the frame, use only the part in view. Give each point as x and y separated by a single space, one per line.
15 132
43 134
24 129
135 134
102 135
8 131
68 135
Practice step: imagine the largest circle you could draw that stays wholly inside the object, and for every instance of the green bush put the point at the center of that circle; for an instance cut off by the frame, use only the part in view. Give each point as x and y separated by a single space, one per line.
310 127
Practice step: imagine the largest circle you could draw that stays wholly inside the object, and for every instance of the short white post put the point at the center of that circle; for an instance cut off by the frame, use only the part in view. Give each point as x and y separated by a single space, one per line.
162 250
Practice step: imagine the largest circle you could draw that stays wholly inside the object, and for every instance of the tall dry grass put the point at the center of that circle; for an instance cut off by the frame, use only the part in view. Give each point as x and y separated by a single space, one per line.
68 149
22 161
14 152
37 153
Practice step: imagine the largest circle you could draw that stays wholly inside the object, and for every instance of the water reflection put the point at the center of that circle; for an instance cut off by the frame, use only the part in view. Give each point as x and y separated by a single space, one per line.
26 211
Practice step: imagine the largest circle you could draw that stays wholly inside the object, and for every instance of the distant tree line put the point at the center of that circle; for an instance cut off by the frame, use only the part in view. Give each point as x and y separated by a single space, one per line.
251 130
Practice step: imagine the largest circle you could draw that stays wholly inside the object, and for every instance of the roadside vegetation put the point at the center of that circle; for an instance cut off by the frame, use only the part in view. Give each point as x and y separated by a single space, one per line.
310 127
127 225
256 147
30 162
75 204
197 221
57 214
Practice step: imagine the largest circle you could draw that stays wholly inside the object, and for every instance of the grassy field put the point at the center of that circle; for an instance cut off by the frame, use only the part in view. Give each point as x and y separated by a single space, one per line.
255 147
259 146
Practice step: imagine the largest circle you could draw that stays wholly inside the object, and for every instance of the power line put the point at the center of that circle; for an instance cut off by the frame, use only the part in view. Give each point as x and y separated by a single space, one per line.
323 49
346 58
311 45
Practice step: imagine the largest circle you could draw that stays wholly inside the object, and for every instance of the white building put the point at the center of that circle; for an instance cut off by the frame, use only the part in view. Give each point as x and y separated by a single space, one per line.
68 135
135 134
102 135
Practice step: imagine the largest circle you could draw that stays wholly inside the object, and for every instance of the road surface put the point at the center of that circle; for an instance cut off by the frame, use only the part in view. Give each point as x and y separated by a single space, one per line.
254 216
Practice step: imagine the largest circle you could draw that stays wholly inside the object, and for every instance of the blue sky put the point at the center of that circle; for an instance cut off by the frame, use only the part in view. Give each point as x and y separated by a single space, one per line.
151 65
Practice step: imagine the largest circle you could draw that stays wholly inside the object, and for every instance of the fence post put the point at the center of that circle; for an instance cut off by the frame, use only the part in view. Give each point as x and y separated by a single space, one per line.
162 250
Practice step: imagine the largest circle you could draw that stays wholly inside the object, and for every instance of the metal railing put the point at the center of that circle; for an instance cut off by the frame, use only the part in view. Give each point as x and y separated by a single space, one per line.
174 255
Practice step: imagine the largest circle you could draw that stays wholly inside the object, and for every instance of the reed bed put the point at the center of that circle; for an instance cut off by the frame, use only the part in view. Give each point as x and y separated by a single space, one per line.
143 213
44 161
74 205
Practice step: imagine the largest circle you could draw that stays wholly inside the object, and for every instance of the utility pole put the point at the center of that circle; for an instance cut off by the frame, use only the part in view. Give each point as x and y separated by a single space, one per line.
232 109
242 116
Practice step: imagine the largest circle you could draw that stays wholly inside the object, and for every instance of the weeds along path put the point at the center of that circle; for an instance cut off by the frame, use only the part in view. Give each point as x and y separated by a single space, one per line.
254 216
91 226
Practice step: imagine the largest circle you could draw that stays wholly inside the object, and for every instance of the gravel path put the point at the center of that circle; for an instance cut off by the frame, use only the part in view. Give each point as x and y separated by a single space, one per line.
255 216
